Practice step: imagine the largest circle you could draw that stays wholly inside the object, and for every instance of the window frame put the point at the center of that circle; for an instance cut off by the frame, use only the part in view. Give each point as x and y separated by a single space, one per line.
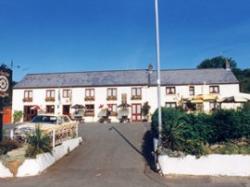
170 92
52 107
191 91
67 93
170 104
113 95
50 95
28 95
89 94
212 89
89 112
136 93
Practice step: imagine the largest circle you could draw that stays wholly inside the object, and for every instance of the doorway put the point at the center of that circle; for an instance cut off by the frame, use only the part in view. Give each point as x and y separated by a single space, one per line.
29 113
66 110
136 112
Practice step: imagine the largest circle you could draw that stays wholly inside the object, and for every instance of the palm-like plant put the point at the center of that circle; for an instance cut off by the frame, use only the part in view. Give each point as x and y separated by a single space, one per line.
38 143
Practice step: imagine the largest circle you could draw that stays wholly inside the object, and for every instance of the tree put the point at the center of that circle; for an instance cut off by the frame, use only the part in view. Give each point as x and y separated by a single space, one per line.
243 75
217 62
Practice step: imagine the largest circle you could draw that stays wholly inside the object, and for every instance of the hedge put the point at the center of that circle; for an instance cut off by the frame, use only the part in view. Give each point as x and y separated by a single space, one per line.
190 133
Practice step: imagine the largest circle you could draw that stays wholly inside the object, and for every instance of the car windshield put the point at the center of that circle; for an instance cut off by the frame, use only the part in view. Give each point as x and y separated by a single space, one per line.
45 119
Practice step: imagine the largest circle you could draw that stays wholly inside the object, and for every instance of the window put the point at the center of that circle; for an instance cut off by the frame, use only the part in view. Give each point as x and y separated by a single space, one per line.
213 106
112 109
214 89
89 110
66 93
199 107
28 96
136 93
89 94
50 109
170 90
170 104
111 94
50 95
191 91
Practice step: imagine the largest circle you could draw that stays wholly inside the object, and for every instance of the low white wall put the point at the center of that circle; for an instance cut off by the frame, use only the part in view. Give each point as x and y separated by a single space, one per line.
214 164
4 172
32 167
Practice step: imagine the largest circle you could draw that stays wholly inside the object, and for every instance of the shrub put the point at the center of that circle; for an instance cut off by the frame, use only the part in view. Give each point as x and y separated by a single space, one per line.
8 145
17 116
202 124
145 110
245 121
227 124
191 133
38 143
177 133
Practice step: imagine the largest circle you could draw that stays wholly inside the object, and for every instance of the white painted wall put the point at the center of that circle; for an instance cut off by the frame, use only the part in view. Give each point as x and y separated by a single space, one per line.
148 94
214 164
32 167
4 171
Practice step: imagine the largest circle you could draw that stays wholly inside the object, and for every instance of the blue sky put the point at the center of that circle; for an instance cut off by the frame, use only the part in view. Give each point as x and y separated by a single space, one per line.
81 35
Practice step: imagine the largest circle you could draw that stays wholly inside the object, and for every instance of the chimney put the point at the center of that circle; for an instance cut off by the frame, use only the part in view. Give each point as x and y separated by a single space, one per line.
150 71
227 65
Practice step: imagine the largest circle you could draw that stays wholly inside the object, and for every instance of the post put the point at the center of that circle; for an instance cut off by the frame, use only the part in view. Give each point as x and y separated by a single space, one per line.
12 134
53 138
1 119
158 72
77 129
5 91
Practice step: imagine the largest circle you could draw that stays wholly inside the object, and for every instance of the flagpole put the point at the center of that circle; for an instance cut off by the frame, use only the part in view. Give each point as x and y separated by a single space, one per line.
158 73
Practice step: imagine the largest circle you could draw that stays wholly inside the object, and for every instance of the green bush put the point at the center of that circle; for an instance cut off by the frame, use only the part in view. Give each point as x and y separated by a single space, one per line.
38 143
227 124
177 133
17 116
191 133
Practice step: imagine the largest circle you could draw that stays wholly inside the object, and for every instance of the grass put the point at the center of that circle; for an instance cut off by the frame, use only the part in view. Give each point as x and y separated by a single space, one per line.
230 148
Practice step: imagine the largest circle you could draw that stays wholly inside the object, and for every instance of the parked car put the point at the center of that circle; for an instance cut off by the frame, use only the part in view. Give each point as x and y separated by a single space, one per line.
46 122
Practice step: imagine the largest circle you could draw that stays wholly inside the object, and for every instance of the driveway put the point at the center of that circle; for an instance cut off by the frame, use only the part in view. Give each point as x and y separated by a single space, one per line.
113 155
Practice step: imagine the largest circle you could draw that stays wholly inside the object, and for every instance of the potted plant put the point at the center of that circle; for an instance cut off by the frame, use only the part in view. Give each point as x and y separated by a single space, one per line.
104 114
123 113
145 111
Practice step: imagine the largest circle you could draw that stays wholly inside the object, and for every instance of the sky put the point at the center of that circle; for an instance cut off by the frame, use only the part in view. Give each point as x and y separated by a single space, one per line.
81 35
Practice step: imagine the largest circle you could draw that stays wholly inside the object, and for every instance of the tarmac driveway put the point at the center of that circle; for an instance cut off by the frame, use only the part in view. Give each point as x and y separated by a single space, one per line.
113 155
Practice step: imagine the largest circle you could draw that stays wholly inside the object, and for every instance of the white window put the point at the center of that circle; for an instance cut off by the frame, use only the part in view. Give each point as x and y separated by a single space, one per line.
170 104
28 94
213 106
136 91
170 90
90 92
50 93
66 93
112 92
191 91
214 89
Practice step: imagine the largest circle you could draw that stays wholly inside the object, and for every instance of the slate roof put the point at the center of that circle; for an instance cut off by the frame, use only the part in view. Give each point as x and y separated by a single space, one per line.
126 78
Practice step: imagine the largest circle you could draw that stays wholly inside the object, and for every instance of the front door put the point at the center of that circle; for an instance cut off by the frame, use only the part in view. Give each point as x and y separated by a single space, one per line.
136 112
66 109
29 113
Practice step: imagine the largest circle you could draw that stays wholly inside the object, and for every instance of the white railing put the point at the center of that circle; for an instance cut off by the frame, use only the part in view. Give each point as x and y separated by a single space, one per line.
63 134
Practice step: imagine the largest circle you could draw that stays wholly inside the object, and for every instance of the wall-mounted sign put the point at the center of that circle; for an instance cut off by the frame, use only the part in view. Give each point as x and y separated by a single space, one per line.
4 83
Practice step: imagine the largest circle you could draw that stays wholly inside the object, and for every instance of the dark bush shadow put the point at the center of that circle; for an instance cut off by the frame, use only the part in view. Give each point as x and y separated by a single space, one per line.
147 149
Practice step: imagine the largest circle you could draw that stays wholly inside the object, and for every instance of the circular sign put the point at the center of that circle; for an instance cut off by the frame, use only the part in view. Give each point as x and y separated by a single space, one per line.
4 83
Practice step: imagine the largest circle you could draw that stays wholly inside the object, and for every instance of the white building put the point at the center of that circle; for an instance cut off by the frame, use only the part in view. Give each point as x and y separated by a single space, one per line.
57 92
